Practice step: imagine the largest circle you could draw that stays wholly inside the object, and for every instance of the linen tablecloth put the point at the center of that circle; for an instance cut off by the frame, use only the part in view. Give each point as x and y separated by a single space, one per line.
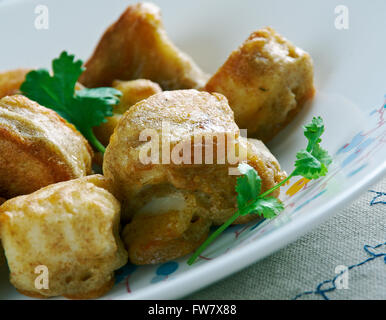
344 258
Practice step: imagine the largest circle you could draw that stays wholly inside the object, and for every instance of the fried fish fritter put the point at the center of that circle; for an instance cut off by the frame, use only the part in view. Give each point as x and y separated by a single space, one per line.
136 47
71 228
38 148
171 205
266 80
104 131
165 228
133 91
10 81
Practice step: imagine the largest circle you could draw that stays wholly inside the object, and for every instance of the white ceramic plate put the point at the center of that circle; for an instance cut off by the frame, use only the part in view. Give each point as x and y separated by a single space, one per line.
350 81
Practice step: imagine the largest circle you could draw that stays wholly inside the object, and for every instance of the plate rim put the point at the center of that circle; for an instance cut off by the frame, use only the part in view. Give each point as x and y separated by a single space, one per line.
224 265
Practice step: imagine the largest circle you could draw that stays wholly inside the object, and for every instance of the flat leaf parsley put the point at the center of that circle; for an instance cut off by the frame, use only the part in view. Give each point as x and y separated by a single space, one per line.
311 163
83 108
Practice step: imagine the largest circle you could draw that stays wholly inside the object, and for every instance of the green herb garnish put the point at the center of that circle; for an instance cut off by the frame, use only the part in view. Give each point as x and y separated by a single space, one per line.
311 163
85 108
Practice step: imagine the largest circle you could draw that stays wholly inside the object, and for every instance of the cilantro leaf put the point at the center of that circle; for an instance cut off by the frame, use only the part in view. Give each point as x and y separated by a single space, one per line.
248 189
66 73
313 162
308 166
248 185
322 155
41 87
249 201
97 102
268 207
85 108
313 132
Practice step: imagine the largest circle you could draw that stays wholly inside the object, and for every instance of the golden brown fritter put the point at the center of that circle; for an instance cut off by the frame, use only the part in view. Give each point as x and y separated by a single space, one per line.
104 131
133 91
266 80
70 227
10 81
165 228
170 206
38 147
137 47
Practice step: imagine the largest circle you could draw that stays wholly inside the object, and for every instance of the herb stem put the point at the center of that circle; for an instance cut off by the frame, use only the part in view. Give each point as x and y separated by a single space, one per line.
227 223
212 237
277 186
94 141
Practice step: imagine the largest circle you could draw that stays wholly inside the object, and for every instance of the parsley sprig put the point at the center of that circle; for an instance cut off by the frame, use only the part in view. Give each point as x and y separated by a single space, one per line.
311 163
85 108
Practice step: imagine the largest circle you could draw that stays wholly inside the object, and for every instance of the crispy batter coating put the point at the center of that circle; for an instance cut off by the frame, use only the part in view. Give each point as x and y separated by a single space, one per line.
266 80
104 131
133 91
70 227
38 147
10 81
165 228
136 46
170 206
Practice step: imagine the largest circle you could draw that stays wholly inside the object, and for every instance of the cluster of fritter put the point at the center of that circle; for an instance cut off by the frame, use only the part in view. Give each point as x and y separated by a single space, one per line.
83 226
